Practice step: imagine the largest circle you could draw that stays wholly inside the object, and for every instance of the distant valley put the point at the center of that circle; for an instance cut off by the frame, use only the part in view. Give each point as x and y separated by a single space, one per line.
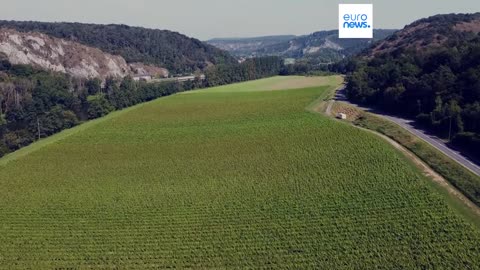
319 47
244 47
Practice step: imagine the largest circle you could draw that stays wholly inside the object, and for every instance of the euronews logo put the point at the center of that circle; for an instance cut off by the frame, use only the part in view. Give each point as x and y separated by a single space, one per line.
355 21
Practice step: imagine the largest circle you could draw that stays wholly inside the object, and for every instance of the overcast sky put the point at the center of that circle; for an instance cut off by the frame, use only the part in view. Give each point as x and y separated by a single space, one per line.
205 19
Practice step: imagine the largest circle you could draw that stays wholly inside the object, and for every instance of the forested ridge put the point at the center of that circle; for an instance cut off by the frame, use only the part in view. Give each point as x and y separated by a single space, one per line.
430 72
171 50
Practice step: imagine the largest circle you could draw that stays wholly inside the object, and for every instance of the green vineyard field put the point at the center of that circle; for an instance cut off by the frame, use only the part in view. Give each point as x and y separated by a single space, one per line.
226 178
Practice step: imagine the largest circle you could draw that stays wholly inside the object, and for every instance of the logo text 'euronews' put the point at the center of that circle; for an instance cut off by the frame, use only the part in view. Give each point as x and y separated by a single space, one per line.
355 21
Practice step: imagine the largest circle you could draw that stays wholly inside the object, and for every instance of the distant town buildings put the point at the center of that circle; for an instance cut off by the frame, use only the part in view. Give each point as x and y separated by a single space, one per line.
142 78
289 61
189 78
241 60
150 78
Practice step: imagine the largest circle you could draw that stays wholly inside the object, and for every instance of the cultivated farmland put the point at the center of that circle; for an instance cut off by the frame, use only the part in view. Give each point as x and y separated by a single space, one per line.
225 178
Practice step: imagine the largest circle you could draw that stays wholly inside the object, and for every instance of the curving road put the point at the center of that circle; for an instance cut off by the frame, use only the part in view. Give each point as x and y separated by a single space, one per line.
430 139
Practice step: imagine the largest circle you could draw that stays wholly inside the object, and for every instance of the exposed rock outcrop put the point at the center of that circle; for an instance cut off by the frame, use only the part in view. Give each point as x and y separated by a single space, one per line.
69 57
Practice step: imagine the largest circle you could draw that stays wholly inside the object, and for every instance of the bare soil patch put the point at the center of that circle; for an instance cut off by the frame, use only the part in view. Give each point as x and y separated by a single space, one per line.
473 26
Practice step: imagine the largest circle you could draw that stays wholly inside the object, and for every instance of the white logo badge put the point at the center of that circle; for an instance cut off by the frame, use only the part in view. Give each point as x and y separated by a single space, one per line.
355 21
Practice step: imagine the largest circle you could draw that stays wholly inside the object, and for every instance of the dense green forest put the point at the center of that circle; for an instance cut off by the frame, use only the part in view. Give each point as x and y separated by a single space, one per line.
174 51
251 69
438 85
36 103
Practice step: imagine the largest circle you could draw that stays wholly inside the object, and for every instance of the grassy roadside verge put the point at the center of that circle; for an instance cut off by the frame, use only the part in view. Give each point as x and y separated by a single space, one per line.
464 180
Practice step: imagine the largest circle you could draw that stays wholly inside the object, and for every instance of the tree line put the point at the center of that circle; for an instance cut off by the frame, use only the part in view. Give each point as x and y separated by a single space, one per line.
251 69
35 103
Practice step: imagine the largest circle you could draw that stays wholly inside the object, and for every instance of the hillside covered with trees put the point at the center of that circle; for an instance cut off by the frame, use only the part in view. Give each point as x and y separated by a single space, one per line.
171 50
429 71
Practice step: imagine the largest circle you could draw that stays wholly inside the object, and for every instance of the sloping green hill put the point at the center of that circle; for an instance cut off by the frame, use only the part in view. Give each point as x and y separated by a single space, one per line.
430 72
219 179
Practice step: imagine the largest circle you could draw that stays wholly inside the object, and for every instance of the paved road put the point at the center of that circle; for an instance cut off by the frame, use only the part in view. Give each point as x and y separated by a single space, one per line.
432 140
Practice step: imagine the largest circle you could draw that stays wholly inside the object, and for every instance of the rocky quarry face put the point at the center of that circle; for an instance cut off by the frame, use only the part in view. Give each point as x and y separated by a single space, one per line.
69 57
